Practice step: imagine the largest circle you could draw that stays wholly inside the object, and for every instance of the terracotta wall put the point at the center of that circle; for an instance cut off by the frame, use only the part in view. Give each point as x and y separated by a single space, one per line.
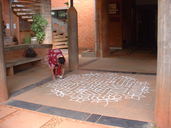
58 3
86 21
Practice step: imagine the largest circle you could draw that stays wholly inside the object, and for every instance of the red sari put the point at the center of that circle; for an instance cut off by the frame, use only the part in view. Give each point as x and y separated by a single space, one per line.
53 56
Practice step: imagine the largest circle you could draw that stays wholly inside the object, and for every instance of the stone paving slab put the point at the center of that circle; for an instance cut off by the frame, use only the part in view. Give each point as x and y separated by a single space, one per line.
32 86
21 118
24 119
82 116
5 111
24 105
124 108
145 64
94 118
122 122
67 123
64 113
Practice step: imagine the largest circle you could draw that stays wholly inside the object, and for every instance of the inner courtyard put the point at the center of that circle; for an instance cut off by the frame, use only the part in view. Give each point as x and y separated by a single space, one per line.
117 70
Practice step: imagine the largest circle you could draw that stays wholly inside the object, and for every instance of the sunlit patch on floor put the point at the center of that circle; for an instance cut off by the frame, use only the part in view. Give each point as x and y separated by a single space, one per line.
99 87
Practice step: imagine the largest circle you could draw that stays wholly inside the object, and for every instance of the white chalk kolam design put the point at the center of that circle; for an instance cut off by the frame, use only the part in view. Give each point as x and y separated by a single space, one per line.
99 87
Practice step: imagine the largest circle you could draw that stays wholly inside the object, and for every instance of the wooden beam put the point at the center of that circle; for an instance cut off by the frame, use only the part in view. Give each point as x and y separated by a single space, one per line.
3 81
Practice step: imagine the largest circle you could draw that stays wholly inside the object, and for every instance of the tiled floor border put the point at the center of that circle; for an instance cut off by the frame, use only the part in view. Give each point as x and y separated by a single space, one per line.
95 118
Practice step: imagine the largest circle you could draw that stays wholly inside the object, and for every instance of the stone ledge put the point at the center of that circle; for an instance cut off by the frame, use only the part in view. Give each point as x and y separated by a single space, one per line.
22 61
88 53
24 46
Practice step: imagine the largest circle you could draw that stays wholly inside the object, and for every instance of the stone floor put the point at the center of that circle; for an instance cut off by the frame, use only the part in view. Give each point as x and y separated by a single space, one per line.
33 88
123 108
35 74
118 64
136 62
12 117
70 114
125 64
27 78
99 87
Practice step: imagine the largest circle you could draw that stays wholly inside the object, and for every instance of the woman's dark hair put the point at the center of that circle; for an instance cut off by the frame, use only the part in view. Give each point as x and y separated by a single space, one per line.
61 60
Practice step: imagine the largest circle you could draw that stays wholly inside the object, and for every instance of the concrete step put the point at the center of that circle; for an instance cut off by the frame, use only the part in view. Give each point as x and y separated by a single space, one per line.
59 43
59 36
26 8
61 47
56 34
60 40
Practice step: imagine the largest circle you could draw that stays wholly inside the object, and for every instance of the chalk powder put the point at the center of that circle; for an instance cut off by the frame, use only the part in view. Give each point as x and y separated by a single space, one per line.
99 87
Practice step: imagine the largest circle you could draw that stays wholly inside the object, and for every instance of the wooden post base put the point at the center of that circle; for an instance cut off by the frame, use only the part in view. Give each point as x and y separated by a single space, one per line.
10 71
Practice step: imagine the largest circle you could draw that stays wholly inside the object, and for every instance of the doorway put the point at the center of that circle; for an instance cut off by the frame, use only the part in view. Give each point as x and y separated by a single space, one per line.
127 24
140 25
128 34
146 27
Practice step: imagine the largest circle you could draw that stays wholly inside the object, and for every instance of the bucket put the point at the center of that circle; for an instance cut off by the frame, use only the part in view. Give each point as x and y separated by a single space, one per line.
34 40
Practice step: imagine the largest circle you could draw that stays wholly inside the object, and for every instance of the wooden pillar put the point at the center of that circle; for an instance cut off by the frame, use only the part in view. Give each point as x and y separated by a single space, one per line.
71 3
163 89
46 13
98 14
102 48
73 38
3 82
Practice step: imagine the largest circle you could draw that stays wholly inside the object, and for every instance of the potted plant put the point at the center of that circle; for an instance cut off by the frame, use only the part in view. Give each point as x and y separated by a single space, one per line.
38 27
27 40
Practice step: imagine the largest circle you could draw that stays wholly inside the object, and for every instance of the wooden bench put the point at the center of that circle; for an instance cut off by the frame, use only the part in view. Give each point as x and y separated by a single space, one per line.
10 64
